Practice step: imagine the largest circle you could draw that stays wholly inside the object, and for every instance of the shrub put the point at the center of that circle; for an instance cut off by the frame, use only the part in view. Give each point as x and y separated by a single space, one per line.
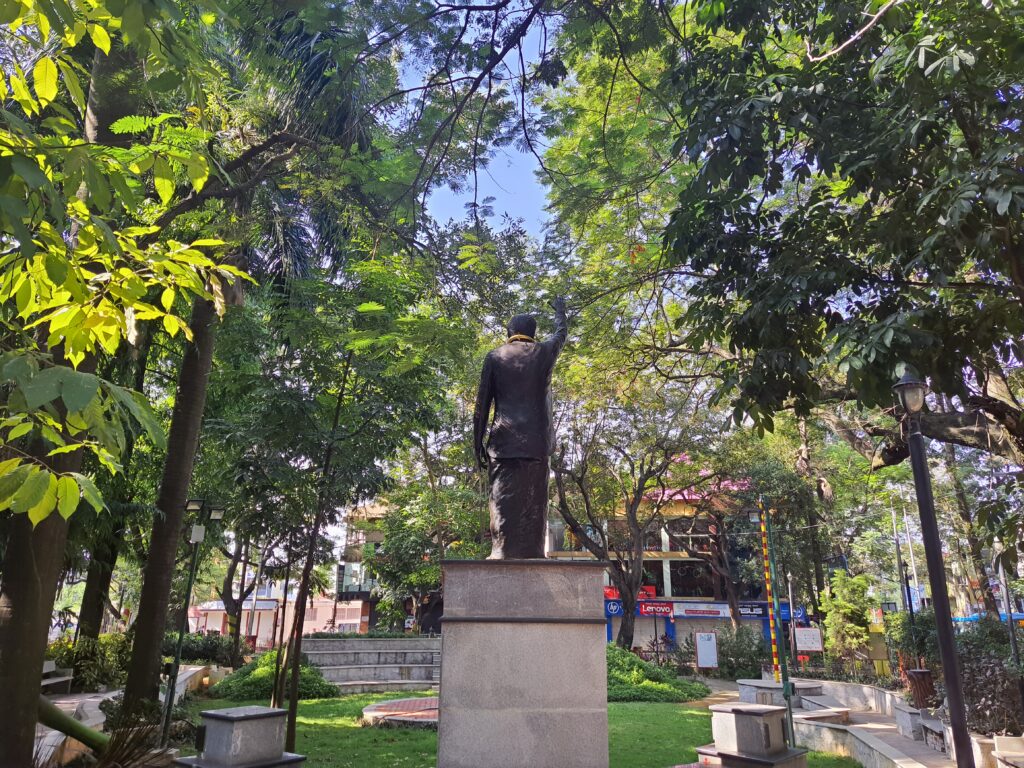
377 633
741 654
630 678
911 643
991 694
256 681
206 648
94 663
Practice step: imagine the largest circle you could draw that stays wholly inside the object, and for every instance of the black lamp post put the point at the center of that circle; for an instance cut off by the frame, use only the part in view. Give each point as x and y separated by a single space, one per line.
911 391
203 512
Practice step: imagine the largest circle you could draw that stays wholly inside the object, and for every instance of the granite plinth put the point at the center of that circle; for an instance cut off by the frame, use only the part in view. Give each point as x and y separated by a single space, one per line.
749 729
523 671
243 737
791 758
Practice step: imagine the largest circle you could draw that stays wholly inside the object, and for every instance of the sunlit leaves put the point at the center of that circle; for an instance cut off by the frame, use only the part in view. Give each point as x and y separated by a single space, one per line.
81 261
67 411
44 76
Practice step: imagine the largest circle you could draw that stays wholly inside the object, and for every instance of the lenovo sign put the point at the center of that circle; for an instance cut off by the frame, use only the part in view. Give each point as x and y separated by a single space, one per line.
649 608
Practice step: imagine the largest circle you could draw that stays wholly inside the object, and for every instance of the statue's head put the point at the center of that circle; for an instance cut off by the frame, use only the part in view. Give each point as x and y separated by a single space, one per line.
523 324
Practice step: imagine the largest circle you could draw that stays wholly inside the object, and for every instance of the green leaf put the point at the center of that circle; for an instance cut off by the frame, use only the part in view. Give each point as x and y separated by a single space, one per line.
11 482
78 390
74 87
19 431
198 172
370 306
163 179
42 509
131 124
29 170
31 491
100 37
68 496
56 267
133 21
89 491
138 406
44 387
44 76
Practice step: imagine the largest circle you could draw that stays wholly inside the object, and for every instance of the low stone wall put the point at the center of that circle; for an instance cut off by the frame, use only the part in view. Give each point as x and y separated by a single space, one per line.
863 697
854 742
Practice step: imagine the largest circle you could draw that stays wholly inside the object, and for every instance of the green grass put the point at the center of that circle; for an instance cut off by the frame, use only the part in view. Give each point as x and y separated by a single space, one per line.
640 735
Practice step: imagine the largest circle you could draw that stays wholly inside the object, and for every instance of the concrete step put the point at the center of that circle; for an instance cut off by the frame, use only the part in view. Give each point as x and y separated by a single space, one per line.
334 658
821 701
312 644
376 686
341 674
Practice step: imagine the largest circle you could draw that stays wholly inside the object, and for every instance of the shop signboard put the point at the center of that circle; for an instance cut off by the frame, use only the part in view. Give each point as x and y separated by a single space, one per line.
808 639
612 608
701 610
707 649
652 608
753 610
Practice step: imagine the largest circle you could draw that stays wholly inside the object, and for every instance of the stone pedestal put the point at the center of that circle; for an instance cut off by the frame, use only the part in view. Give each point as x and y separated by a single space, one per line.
243 737
750 734
523 670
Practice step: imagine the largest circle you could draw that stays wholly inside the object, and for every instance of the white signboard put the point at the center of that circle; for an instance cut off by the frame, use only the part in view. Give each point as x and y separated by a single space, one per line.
707 649
808 639
701 610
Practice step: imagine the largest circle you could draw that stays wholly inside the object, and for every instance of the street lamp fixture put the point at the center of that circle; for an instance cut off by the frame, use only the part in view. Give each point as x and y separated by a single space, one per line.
203 512
911 390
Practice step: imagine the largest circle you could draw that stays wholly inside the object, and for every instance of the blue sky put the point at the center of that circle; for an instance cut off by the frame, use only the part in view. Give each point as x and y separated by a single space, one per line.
511 180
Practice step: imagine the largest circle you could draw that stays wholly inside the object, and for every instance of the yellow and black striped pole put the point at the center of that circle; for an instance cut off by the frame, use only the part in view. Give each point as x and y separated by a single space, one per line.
779 666
768 594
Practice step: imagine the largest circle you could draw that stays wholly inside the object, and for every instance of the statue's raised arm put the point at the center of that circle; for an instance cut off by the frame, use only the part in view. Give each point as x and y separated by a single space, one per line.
515 444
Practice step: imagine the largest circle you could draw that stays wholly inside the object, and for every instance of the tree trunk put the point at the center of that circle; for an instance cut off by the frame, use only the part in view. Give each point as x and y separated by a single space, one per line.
31 567
235 620
626 577
182 442
106 542
33 558
300 618
280 664
97 584
974 546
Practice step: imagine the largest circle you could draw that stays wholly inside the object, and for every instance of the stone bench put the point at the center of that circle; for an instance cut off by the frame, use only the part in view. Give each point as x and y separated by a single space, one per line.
243 737
1009 751
55 679
770 692
933 732
908 720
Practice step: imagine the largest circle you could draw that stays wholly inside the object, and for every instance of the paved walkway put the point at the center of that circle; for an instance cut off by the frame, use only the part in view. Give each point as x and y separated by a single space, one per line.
86 708
722 692
884 728
421 711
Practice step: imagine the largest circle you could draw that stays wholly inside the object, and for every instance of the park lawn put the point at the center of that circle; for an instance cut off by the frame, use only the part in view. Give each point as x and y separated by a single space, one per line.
640 735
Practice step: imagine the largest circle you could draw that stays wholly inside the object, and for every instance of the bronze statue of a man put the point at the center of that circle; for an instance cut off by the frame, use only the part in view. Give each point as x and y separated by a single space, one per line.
516 378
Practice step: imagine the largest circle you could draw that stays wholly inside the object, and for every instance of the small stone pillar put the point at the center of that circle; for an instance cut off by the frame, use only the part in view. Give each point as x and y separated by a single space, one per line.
243 736
750 733
523 668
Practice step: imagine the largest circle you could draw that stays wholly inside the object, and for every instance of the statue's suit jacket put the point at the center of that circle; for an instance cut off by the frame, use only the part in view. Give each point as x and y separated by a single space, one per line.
516 378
